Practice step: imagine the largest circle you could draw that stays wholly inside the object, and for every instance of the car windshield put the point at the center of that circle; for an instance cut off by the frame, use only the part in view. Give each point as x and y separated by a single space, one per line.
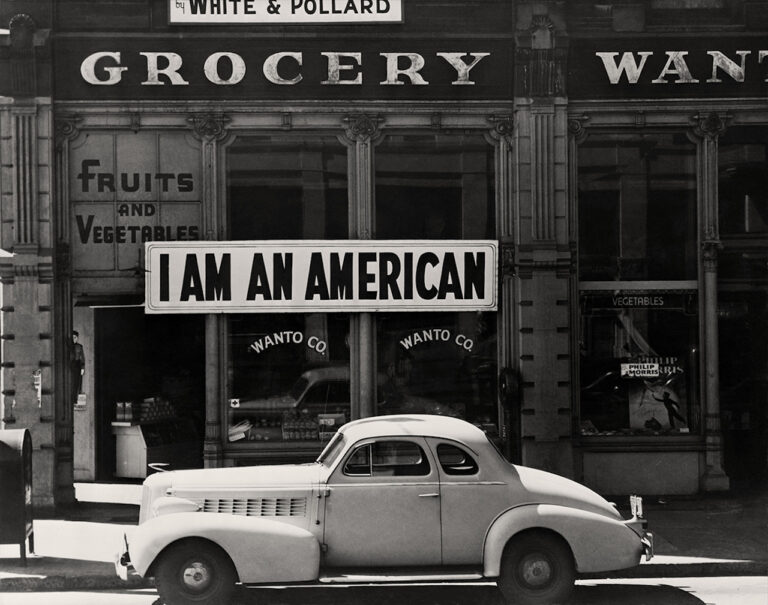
298 388
332 450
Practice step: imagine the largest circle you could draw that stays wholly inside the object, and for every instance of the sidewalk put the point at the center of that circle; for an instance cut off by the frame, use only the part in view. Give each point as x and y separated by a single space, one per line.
715 535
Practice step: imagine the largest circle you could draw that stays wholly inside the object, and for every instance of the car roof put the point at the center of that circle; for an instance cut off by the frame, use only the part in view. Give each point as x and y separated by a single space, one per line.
415 425
327 372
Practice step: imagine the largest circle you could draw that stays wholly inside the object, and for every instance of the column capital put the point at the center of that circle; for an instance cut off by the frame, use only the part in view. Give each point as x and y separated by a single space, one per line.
209 127
709 126
361 128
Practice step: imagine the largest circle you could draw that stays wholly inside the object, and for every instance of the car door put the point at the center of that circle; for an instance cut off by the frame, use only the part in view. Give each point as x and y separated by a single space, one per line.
470 498
383 506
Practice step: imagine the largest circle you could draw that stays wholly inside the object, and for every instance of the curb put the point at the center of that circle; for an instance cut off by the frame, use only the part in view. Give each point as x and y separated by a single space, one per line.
685 570
648 570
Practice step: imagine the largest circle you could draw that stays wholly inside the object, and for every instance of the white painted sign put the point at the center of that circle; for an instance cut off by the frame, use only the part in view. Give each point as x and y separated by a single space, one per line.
308 276
640 370
297 12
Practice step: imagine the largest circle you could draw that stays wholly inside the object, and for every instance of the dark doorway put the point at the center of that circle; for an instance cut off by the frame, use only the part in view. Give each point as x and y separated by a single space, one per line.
744 385
142 356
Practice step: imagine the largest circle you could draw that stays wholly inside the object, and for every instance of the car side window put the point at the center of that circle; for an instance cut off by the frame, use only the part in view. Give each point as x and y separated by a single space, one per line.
388 459
455 461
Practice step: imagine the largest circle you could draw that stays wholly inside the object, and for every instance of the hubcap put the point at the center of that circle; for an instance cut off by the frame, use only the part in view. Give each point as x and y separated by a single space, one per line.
536 570
196 576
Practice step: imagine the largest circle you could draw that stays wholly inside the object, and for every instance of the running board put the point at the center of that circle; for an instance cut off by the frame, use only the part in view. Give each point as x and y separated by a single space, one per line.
396 576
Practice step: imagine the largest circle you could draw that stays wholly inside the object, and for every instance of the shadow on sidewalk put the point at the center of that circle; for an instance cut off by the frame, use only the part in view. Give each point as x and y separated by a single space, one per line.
455 594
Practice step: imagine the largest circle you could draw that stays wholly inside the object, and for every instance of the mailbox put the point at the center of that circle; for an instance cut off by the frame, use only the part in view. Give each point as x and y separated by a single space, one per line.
16 490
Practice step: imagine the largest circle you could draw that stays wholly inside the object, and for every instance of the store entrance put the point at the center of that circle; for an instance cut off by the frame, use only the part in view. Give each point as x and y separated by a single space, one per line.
150 391
744 385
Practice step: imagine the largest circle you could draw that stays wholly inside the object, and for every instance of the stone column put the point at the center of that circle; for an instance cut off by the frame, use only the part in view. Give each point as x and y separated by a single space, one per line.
543 255
706 130
27 293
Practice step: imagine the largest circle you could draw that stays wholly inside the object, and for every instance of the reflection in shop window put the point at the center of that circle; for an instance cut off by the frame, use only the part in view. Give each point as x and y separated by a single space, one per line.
436 186
743 182
637 207
438 363
288 373
639 363
281 187
288 377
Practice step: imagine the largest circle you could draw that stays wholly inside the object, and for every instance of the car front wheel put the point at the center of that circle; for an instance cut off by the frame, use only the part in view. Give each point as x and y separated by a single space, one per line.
537 568
195 572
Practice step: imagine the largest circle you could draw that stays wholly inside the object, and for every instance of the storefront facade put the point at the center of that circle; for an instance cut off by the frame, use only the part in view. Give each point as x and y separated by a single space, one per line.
488 226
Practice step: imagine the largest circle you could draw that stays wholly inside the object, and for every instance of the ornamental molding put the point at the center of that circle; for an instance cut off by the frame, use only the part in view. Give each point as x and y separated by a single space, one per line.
361 127
209 126
709 126
502 127
66 128
577 127
507 258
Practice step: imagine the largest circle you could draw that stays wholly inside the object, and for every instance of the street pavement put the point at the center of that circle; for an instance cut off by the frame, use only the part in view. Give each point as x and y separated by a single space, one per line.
722 534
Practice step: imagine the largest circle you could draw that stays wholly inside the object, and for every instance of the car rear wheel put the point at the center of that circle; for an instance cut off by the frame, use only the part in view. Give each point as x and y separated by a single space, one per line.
537 568
195 572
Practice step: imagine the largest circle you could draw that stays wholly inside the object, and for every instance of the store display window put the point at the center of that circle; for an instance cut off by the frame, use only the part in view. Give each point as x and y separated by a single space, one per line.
639 363
288 374
288 377
638 262
431 186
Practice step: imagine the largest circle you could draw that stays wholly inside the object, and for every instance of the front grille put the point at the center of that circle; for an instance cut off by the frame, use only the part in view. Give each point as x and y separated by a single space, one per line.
256 507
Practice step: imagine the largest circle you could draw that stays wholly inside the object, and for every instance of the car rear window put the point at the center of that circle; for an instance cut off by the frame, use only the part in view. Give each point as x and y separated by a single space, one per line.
455 461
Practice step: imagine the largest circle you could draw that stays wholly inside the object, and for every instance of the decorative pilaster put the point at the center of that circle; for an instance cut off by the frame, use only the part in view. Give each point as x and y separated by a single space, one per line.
211 130
540 60
705 131
361 132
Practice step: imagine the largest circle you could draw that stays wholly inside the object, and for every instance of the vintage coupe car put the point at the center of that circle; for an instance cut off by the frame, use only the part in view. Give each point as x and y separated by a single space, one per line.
416 492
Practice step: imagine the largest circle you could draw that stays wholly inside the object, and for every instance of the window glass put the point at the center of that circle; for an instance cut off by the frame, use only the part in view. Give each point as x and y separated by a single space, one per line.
438 363
743 203
436 186
281 366
455 461
388 458
359 463
282 371
282 187
639 363
637 207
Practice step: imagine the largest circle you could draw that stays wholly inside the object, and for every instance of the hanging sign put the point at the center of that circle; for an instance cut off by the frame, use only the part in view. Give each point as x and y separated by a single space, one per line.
309 276
286 12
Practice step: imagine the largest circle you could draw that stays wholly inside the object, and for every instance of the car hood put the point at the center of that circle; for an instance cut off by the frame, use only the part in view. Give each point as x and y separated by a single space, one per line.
283 475
280 402
547 488
217 481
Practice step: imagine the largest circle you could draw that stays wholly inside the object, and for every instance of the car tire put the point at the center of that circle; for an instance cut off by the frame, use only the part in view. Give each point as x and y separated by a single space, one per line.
195 572
537 568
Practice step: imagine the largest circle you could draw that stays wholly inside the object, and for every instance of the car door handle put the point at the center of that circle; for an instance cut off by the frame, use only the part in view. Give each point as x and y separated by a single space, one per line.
432 495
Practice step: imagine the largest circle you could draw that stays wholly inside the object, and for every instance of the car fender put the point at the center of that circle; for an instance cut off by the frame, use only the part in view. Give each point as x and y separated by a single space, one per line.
598 543
262 550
